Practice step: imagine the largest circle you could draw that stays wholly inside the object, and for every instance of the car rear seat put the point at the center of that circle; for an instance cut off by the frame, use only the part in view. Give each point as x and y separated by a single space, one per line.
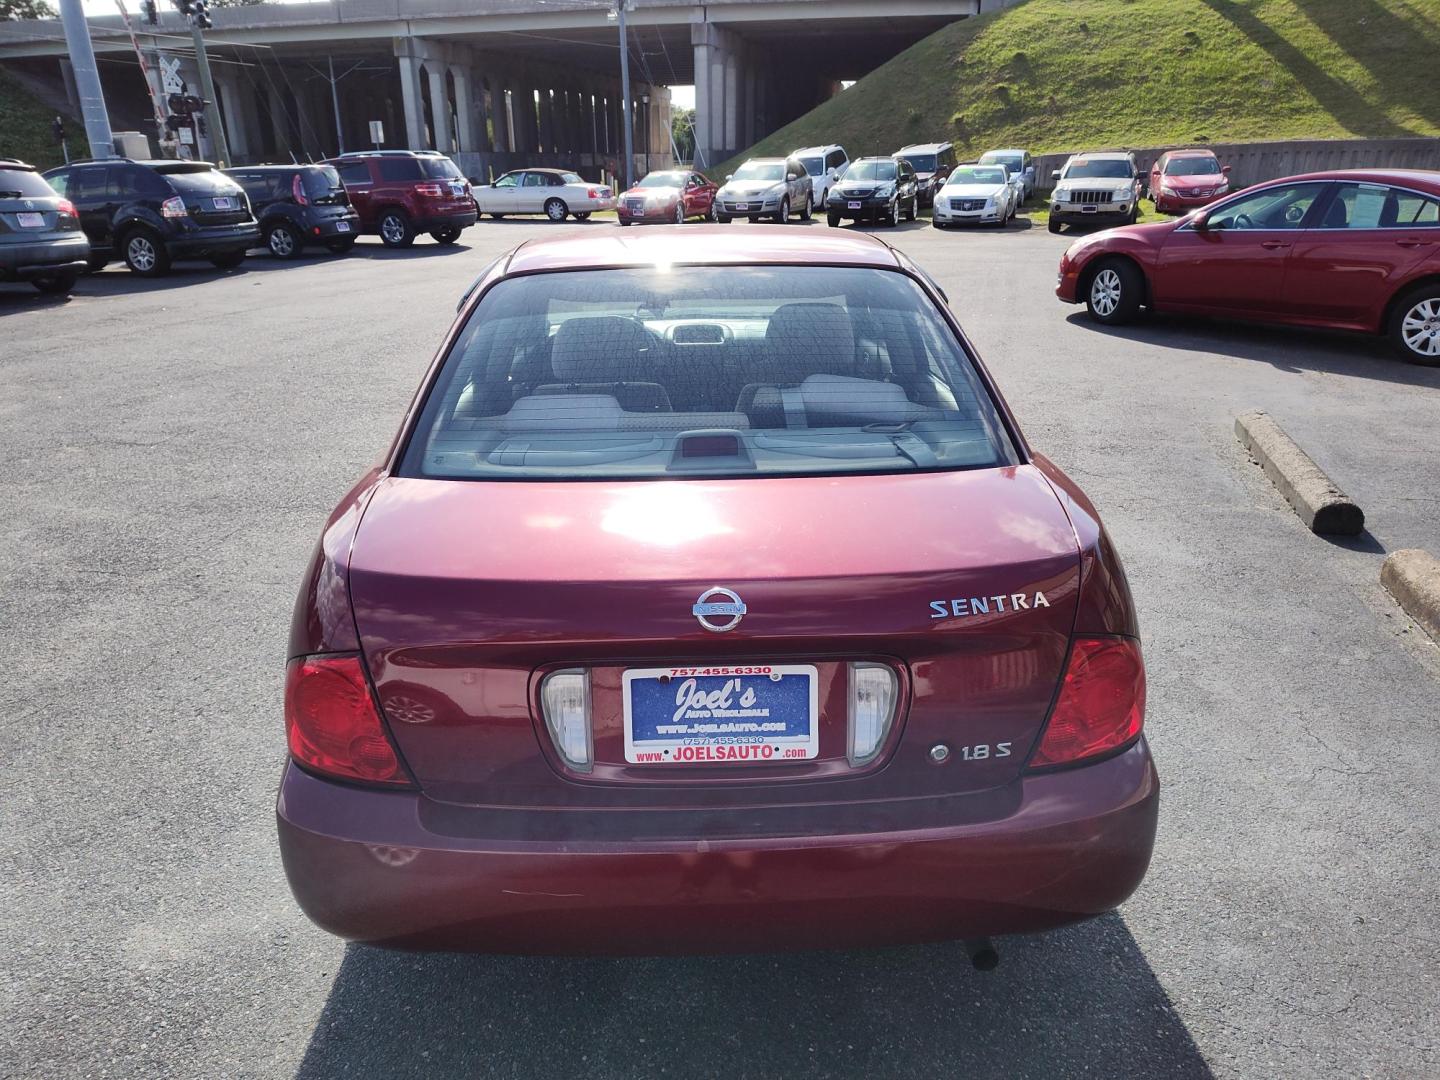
607 355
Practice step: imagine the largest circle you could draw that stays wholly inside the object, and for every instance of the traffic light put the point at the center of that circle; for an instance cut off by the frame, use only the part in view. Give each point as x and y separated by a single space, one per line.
186 7
150 11
202 14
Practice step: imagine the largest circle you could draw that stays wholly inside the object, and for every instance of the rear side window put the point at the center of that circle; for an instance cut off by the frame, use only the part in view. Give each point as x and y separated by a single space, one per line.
24 184
1374 206
144 182
399 170
733 371
88 184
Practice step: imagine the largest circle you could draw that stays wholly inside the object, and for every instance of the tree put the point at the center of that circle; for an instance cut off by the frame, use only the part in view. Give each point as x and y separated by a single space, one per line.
682 128
26 9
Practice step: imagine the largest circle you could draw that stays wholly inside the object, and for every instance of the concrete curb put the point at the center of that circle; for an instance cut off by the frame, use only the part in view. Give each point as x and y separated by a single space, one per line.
1321 505
1412 576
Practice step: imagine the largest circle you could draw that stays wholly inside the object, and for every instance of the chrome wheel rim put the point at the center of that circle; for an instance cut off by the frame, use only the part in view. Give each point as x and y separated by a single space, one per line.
784 211
679 213
1105 292
1420 328
141 252
555 210
393 229
281 242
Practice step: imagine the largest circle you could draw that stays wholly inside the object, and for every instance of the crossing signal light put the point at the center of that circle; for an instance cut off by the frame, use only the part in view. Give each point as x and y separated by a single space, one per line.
202 14
187 7
150 11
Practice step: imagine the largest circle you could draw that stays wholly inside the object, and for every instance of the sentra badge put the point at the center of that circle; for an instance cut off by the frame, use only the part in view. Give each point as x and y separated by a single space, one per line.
985 605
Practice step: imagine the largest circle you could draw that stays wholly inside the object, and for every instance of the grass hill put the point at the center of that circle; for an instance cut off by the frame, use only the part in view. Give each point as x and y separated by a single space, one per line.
25 127
1058 75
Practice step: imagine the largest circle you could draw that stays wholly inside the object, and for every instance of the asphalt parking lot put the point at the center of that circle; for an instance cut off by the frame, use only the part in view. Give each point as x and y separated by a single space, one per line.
173 448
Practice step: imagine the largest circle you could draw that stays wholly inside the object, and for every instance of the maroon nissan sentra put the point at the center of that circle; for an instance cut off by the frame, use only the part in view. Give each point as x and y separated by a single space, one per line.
709 598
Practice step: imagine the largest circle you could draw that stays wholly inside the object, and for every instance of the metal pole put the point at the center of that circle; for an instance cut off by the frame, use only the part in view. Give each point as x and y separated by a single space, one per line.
335 98
625 91
212 106
87 79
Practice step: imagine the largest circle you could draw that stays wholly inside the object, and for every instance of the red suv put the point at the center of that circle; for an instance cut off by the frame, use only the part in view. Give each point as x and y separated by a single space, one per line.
401 193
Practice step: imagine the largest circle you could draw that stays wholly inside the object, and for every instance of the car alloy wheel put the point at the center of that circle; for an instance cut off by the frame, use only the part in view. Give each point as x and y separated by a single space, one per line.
1105 292
142 255
784 216
281 241
395 230
1420 329
555 210
679 213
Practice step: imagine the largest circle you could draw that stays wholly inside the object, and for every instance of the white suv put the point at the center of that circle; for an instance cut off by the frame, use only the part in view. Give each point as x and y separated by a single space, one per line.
825 164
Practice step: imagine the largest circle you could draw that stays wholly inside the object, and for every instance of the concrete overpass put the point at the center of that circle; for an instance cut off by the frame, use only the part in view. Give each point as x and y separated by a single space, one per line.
501 83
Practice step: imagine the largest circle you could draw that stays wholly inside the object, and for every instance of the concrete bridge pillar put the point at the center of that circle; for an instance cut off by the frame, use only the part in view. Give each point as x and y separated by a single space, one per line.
719 92
232 115
411 95
439 106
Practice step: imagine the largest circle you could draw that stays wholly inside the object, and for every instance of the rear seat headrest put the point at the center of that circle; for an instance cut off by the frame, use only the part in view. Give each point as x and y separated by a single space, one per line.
600 349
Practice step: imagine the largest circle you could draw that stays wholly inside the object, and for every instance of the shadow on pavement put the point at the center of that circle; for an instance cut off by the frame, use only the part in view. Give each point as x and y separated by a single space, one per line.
1286 348
1081 1001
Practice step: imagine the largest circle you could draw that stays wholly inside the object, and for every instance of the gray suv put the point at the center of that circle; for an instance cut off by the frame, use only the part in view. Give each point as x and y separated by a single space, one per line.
777 188
1096 187
40 236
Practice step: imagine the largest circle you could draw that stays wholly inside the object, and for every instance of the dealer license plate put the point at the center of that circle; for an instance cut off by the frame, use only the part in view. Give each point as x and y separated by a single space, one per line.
224 202
1089 209
852 206
31 221
342 226
721 715
742 206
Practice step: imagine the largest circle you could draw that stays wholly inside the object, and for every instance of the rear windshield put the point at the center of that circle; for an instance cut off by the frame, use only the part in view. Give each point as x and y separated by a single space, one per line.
24 184
1105 169
872 170
322 184
728 371
1192 166
199 181
439 168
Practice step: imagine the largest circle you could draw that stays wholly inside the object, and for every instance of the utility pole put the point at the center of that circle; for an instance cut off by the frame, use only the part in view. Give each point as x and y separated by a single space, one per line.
207 88
87 79
619 9
335 100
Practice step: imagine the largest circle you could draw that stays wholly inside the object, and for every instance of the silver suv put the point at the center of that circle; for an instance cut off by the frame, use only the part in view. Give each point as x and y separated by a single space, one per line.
777 188
1096 187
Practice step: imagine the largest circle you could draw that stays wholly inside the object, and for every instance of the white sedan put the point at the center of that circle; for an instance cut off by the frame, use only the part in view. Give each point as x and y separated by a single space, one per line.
556 193
976 194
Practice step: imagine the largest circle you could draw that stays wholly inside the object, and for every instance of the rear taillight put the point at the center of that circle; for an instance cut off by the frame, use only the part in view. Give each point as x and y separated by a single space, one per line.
874 690
433 191
565 700
174 207
597 193
297 191
333 724
1102 703
64 207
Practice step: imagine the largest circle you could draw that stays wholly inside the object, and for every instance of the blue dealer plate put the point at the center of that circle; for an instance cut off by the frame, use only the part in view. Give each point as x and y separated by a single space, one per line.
745 714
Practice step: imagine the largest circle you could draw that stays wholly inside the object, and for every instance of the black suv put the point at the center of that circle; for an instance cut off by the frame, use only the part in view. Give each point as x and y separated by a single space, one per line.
298 205
151 212
40 236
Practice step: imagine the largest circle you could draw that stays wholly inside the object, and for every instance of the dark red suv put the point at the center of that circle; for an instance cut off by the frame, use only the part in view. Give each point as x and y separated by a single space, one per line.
402 193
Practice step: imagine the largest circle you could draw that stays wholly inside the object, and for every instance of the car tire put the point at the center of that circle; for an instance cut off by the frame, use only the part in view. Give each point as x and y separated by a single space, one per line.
893 220
445 236
679 213
1113 292
624 222
833 220
340 247
228 260
396 230
1414 327
1134 213
283 241
145 253
57 284
782 216
1054 225
914 211
556 210
936 224
711 215
809 211
497 217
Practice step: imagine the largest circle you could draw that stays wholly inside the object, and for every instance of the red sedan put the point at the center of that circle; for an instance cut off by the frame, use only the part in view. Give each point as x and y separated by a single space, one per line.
710 598
1349 250
1185 179
673 196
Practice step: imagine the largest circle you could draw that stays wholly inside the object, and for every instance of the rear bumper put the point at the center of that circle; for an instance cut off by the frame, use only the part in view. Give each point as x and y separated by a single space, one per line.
20 262
210 240
369 866
454 219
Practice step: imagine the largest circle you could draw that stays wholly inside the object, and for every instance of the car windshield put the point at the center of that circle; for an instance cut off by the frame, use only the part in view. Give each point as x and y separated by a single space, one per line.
872 170
977 174
662 180
198 181
24 184
921 162
1192 166
439 168
813 165
1012 161
760 170
1102 168
710 371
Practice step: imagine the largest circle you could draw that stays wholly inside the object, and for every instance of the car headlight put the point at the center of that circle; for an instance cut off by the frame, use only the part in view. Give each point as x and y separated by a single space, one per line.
884 191
1061 195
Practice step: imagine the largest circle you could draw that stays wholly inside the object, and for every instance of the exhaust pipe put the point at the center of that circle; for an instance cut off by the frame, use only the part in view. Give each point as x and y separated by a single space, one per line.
982 954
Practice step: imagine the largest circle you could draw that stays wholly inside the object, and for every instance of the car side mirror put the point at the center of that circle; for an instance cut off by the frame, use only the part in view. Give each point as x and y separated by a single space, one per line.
1225 169
729 177
1200 222
1055 174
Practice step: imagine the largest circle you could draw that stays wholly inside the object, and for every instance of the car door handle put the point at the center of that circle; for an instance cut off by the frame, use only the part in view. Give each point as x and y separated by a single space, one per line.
1273 245
1414 243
